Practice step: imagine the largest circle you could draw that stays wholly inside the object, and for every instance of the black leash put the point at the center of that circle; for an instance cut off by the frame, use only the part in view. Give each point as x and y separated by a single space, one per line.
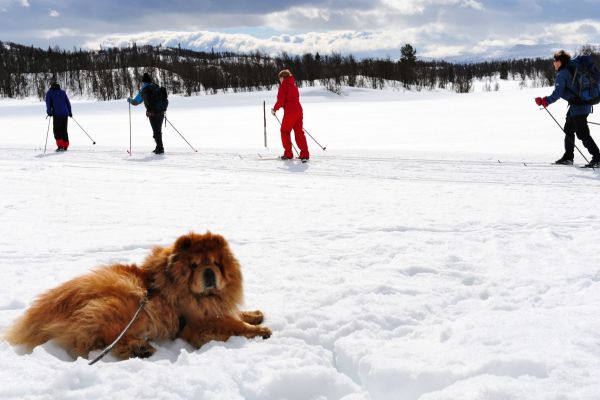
109 348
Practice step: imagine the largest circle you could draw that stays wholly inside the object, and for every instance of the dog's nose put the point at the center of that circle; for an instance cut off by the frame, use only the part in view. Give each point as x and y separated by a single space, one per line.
210 279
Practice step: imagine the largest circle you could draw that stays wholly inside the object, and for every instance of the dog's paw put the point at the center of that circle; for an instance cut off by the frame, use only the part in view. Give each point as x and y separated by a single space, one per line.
143 351
253 317
264 332
134 348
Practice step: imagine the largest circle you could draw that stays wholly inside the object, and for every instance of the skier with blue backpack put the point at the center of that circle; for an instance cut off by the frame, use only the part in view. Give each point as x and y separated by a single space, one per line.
156 103
576 82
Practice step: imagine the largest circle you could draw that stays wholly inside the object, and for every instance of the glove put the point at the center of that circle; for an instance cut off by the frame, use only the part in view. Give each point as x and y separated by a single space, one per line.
49 115
272 111
71 115
129 100
541 101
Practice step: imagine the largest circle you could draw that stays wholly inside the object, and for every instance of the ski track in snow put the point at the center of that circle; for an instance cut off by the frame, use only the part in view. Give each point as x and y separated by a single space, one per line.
381 276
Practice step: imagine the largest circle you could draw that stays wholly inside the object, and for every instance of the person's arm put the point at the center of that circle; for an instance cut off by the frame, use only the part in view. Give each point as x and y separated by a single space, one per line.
68 105
559 88
138 99
48 103
281 95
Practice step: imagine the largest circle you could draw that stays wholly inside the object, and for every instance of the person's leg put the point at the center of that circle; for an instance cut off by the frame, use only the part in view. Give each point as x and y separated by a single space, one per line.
59 125
56 129
156 122
65 135
286 129
569 139
300 138
583 133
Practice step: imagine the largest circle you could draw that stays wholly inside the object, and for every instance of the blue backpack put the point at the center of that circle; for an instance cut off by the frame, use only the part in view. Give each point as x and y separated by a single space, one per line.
586 81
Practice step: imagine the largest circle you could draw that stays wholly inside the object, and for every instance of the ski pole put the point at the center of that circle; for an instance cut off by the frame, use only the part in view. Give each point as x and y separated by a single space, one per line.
265 121
562 129
129 127
593 123
315 140
294 147
180 134
93 142
48 131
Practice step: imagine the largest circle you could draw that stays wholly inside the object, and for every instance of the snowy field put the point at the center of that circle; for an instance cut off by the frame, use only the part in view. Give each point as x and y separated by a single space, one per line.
431 252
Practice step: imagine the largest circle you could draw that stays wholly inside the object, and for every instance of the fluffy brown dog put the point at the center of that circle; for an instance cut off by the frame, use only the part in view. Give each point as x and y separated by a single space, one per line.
193 290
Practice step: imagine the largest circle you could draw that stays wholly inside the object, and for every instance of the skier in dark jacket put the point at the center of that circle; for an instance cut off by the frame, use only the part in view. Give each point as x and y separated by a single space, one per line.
156 118
576 122
59 108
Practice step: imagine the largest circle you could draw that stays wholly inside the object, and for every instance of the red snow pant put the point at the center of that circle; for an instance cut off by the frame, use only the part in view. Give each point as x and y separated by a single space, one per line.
293 120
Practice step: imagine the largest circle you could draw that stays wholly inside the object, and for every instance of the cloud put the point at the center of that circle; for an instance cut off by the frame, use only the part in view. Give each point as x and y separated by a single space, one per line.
586 31
437 28
431 40
57 33
411 7
324 42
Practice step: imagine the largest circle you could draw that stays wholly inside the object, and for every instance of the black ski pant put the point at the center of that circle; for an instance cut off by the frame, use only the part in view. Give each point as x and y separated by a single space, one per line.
59 127
578 125
156 121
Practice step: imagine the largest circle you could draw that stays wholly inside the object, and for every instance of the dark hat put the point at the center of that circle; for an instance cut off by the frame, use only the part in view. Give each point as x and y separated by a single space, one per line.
146 78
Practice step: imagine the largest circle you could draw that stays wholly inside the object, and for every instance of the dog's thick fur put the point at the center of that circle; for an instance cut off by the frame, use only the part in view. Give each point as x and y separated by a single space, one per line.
194 290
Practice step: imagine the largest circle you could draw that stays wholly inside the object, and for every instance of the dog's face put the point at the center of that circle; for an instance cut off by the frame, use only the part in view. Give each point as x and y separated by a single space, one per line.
205 264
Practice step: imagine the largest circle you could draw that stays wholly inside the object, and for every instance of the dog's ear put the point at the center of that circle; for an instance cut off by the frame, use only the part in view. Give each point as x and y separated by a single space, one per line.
183 244
170 261
173 258
216 241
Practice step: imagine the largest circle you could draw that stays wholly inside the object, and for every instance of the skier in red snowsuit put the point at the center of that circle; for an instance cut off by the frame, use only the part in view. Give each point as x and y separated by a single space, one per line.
289 98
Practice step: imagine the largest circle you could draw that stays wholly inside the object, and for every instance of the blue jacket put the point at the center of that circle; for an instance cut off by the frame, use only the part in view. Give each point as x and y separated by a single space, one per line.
138 99
57 102
563 89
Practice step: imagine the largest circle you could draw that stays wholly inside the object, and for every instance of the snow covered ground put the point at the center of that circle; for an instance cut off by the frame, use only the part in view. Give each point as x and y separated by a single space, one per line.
431 252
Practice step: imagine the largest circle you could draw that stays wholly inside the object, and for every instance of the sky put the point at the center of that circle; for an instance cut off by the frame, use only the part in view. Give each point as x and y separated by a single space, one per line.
439 29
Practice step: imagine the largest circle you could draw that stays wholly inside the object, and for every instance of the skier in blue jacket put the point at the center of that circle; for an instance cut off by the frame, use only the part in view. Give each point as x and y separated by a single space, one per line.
576 122
59 108
156 118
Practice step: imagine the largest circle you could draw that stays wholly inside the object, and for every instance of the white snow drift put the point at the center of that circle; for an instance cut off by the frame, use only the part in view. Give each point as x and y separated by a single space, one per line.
431 252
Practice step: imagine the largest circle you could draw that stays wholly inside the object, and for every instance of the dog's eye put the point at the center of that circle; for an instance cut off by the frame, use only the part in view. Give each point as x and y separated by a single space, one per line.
221 267
193 266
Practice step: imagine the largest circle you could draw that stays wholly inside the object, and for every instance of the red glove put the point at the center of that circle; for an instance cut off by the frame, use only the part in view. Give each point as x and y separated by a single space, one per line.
541 101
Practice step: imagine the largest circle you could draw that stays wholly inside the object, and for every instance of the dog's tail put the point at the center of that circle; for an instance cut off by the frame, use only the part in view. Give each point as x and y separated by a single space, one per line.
47 316
29 330
63 313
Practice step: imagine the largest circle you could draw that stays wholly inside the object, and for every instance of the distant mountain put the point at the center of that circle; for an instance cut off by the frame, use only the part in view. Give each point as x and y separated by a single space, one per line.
517 52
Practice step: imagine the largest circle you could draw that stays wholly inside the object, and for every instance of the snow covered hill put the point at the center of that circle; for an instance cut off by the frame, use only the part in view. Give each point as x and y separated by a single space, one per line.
431 252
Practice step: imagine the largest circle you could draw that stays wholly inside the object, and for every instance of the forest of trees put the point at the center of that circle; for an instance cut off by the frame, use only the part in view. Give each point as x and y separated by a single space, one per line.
114 73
